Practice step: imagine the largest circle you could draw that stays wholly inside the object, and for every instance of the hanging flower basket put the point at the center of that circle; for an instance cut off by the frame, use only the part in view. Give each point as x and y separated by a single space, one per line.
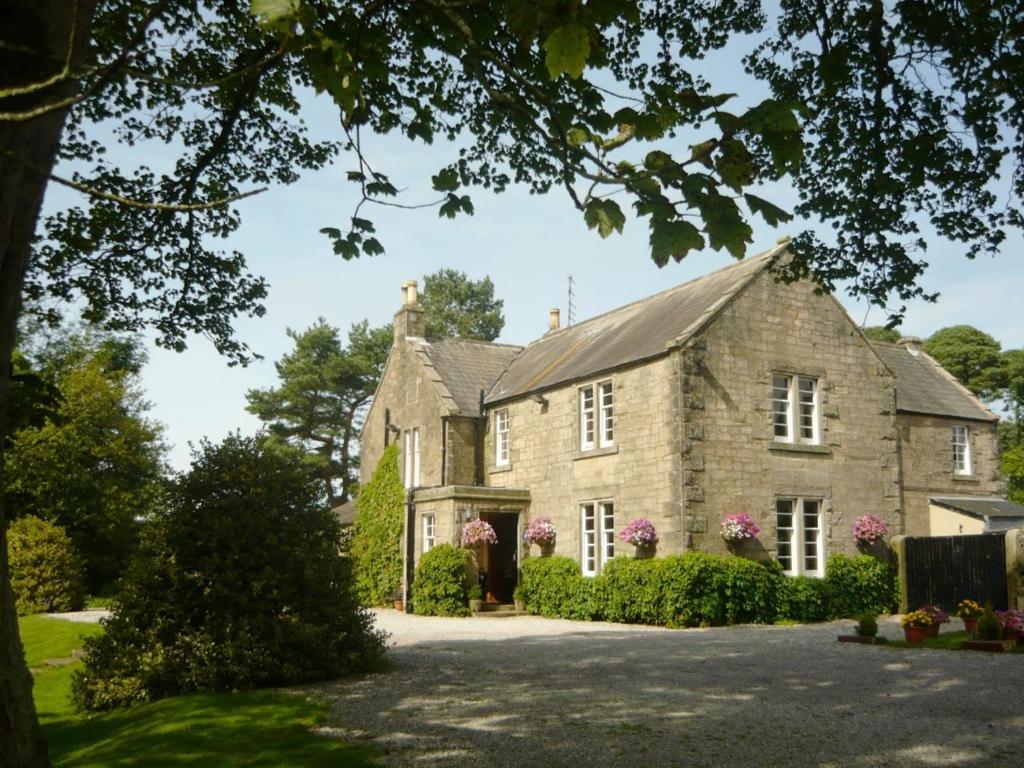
869 530
477 532
541 531
642 535
737 529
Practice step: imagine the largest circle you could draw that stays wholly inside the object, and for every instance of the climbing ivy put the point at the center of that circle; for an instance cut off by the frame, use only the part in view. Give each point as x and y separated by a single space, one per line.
376 548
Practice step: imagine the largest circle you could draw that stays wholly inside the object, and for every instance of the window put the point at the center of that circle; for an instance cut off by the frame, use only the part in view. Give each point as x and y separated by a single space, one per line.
597 535
597 416
415 458
428 533
798 522
501 437
407 454
795 409
961 451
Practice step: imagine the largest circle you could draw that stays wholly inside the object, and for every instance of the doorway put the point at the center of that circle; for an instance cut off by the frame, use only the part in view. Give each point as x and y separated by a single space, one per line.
502 572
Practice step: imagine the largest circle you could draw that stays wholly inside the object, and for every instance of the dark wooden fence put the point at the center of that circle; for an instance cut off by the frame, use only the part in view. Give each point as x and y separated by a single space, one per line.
943 570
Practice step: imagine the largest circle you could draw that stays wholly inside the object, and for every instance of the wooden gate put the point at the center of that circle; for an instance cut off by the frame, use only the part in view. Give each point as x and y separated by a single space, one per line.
943 570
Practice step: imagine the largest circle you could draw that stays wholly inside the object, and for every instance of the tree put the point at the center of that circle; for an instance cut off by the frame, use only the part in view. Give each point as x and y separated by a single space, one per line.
263 597
974 357
1013 364
457 307
93 466
323 396
1012 467
906 108
882 333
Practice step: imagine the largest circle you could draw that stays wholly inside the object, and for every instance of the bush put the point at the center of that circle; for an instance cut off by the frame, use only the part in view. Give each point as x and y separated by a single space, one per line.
702 589
632 591
551 586
376 545
440 587
238 583
46 574
857 585
804 599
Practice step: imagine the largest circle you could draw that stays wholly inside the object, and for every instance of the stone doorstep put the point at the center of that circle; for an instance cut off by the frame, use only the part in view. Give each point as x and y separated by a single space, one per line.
498 611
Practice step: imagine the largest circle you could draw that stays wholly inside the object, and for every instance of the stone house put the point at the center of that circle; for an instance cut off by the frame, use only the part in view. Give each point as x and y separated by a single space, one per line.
732 393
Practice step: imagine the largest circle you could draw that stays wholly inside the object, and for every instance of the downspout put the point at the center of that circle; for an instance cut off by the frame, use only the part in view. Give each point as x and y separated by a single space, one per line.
479 429
410 551
444 450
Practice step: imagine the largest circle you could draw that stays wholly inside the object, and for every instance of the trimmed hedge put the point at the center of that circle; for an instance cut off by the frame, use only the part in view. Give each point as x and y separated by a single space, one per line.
702 589
376 545
46 574
440 587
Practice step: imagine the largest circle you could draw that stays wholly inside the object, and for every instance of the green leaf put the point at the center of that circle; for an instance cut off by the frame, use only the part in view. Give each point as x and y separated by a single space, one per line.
577 136
372 247
274 12
605 216
724 225
771 213
446 181
657 159
364 224
567 50
455 205
734 164
673 239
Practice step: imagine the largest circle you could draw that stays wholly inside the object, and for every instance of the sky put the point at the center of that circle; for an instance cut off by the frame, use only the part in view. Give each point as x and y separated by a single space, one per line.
527 244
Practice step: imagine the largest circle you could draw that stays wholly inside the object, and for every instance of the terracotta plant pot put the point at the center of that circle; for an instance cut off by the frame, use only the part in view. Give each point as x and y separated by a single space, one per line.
914 634
932 631
1011 634
971 624
399 605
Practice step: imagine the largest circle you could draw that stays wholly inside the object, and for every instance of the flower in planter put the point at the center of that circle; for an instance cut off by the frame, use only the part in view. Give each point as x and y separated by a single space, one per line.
639 533
1011 620
868 529
540 531
938 615
478 532
737 528
968 609
918 618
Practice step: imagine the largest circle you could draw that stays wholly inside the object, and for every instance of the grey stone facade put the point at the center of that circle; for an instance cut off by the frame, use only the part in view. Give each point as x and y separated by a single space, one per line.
691 374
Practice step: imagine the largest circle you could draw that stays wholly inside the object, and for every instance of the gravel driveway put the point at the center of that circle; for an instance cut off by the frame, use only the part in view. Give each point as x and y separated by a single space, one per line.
534 692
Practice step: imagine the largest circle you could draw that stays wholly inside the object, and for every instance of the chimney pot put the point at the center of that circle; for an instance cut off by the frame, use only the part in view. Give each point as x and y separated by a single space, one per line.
554 320
914 344
410 295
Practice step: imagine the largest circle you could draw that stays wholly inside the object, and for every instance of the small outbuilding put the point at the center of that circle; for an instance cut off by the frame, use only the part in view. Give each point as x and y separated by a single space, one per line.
955 516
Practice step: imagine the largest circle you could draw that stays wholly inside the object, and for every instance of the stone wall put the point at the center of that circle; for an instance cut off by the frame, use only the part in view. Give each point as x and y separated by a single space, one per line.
409 394
926 447
640 474
462 450
732 463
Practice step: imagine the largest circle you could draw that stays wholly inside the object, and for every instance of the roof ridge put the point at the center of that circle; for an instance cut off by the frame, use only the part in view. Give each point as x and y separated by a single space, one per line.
664 292
474 341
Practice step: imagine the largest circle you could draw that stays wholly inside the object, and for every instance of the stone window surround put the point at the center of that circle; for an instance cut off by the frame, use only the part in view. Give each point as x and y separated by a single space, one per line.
600 445
429 525
502 439
824 510
966 457
822 410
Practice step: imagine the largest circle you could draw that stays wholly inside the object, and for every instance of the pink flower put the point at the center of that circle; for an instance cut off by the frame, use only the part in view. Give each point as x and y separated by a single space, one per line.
869 528
478 532
736 528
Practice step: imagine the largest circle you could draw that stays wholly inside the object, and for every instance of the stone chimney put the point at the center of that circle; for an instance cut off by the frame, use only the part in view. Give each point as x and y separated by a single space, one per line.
554 320
410 321
913 344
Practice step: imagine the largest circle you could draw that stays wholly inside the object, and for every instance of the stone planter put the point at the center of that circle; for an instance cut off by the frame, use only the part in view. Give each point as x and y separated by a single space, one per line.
990 646
645 551
862 639
476 605
520 605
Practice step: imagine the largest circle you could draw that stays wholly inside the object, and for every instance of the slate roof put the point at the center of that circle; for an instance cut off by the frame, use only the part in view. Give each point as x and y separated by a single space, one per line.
346 513
980 507
923 386
639 331
463 368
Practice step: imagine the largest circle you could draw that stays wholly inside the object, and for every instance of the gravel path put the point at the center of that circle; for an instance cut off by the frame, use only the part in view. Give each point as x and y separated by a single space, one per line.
80 617
534 692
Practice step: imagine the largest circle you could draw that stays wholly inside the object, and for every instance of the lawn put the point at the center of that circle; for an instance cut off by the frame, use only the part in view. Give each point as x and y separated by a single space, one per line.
258 728
946 641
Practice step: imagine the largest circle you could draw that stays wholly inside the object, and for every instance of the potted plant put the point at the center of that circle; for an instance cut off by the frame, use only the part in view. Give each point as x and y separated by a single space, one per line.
476 598
988 635
396 597
737 529
478 532
969 611
541 531
517 598
869 530
939 617
866 631
914 625
642 535
1012 622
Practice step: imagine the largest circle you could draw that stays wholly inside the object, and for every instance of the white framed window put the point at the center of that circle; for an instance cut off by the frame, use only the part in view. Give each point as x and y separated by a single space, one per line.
501 437
597 535
796 409
597 416
407 454
961 451
415 458
428 533
800 539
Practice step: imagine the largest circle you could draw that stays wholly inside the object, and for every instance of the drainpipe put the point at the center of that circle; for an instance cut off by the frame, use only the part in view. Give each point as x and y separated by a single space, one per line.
410 550
444 450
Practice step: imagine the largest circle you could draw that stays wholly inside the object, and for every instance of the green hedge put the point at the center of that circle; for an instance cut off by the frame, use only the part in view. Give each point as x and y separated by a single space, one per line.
440 587
701 589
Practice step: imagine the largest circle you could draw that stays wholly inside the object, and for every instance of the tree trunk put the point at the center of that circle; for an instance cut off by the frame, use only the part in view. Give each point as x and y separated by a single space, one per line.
34 36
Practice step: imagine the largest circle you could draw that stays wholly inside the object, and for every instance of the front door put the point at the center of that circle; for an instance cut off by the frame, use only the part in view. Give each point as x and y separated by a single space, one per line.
503 557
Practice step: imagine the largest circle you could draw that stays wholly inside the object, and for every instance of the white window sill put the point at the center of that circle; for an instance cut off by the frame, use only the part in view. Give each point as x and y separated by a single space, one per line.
958 478
499 469
592 452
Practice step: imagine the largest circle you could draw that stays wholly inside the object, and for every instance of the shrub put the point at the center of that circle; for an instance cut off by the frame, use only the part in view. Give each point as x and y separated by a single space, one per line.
376 546
988 627
804 599
550 585
46 574
857 585
632 591
239 583
702 589
440 586
867 625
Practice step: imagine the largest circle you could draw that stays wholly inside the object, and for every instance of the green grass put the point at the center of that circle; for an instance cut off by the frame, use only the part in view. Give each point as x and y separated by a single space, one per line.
257 728
946 641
